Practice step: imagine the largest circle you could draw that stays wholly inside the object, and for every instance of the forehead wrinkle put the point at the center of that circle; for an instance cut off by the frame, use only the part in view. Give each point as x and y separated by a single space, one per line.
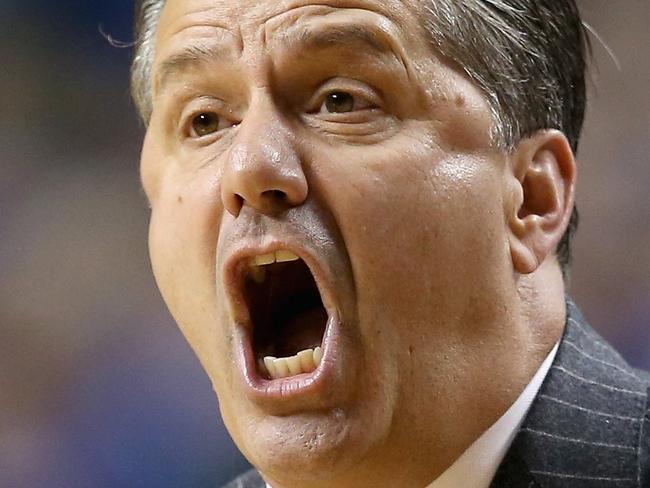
189 38
195 55
390 9
321 26
310 37
172 23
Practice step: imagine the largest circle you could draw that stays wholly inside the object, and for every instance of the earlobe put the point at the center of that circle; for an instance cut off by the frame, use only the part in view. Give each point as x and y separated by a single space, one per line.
541 197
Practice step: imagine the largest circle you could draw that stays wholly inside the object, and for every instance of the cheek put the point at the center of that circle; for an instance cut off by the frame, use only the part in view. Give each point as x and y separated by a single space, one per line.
182 242
424 230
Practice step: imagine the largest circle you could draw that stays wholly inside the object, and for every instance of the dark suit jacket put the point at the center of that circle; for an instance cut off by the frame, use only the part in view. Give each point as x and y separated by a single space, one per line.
589 426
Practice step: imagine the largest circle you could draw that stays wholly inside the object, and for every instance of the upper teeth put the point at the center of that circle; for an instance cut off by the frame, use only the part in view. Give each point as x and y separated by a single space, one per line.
281 256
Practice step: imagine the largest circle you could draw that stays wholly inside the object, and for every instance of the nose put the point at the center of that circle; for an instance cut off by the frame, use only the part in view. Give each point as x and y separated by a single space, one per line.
263 170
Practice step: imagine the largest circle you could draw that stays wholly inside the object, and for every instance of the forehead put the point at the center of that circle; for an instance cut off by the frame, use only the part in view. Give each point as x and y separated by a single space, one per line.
255 19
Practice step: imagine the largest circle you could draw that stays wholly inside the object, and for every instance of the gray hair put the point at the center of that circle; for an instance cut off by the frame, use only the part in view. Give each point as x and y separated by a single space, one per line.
147 17
527 56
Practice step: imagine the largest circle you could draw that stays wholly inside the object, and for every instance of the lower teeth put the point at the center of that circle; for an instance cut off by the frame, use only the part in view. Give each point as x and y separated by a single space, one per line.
304 362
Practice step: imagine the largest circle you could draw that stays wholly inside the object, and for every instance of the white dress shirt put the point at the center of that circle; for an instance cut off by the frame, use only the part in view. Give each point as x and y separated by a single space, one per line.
476 467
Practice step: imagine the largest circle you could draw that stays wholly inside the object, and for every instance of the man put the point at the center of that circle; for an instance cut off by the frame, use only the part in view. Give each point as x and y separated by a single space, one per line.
361 213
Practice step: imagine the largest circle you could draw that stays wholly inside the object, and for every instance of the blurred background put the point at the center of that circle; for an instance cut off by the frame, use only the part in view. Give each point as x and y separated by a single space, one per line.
97 386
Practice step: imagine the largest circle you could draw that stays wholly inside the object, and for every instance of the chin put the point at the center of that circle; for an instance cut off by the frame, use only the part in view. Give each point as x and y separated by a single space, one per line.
311 448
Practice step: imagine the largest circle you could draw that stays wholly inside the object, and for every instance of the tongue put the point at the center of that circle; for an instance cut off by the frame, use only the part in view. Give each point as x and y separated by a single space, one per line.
303 330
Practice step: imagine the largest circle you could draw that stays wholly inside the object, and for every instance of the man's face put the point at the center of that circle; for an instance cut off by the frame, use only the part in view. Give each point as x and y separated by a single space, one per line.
331 130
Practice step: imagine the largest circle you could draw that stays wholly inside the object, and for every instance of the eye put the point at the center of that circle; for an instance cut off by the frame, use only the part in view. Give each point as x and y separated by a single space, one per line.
339 102
205 124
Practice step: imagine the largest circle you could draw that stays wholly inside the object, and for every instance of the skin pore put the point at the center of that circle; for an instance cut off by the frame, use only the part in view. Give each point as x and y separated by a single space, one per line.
333 125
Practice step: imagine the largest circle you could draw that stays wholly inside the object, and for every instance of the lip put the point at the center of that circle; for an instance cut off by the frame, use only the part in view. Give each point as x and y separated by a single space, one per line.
306 385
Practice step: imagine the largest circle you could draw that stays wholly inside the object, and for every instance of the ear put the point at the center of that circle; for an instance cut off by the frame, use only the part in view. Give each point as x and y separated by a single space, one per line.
539 205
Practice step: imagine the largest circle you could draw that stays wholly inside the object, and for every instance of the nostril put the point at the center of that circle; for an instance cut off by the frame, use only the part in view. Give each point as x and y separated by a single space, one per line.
274 201
235 204
275 195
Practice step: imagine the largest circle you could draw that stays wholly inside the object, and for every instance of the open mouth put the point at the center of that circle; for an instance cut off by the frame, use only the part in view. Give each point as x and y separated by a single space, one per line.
287 314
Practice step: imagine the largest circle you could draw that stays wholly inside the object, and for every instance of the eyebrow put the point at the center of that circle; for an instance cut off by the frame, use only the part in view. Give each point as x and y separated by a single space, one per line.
190 57
372 36
340 35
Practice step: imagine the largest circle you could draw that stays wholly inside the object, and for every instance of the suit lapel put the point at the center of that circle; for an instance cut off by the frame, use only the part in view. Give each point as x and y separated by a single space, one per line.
584 427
